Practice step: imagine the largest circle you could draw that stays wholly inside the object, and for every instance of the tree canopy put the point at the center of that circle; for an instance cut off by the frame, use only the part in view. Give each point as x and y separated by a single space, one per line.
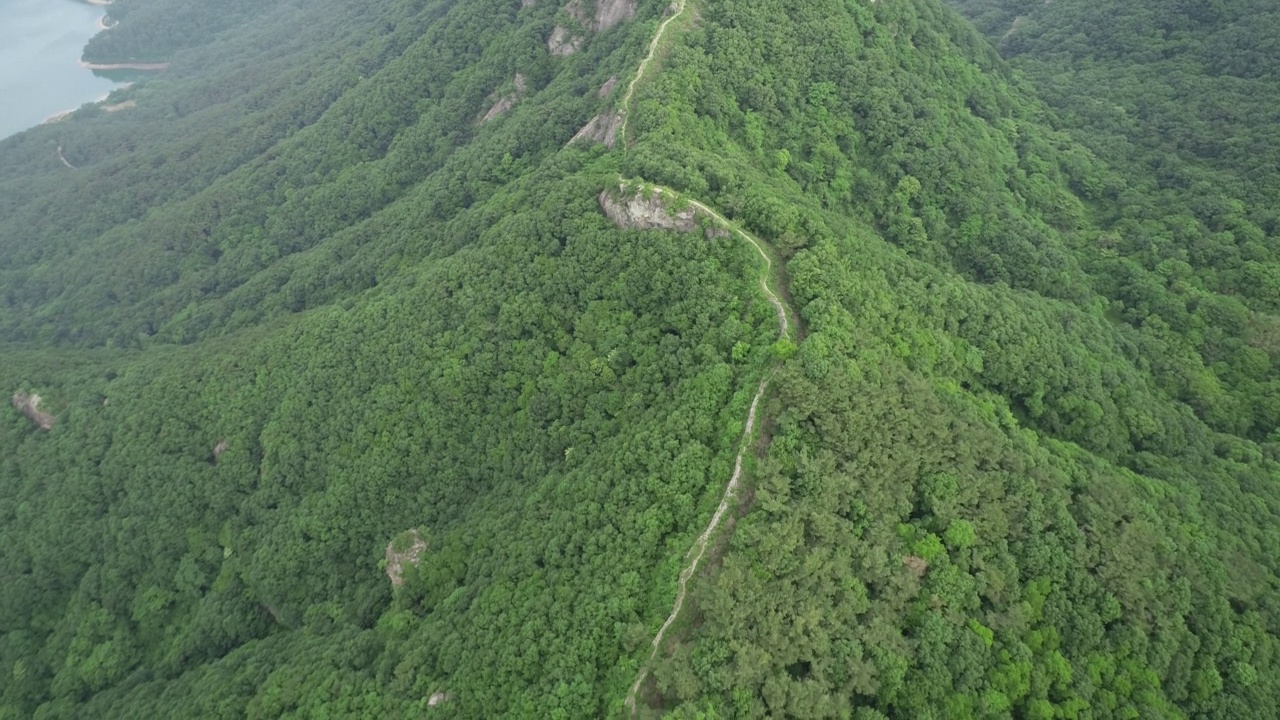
313 310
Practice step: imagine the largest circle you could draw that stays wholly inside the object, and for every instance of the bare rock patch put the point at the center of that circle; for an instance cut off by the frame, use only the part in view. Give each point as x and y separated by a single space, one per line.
562 43
915 564
601 129
646 211
29 405
608 14
403 551
612 12
607 87
505 103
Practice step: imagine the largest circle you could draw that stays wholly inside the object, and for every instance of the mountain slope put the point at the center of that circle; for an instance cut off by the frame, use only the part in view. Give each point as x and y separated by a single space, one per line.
1181 102
190 567
911 548
314 319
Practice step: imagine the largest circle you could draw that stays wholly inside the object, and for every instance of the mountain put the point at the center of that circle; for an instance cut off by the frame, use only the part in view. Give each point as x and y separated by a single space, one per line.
1180 99
718 358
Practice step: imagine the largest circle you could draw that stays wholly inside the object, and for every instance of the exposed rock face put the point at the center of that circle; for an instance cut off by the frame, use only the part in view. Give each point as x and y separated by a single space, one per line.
506 103
29 405
612 12
561 43
498 109
404 550
607 87
601 129
647 211
608 13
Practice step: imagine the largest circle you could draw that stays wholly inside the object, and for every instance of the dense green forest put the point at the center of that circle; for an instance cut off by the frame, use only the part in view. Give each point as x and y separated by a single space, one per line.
1181 101
340 281
153 30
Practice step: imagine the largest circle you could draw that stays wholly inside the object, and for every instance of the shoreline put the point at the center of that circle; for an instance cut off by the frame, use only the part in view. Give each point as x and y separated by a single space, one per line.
102 25
60 116
57 117
117 107
125 66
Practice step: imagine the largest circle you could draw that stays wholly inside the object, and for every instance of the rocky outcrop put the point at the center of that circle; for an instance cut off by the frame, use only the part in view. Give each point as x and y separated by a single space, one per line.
608 13
601 129
505 103
403 551
29 405
561 43
612 12
498 109
607 87
646 210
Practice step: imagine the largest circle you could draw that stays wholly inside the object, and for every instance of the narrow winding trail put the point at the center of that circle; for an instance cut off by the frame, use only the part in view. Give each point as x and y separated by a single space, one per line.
678 7
784 323
64 160
784 333
700 545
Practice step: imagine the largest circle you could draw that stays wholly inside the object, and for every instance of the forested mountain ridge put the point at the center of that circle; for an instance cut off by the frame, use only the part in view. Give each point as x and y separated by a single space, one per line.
143 31
242 188
1181 100
307 314
955 170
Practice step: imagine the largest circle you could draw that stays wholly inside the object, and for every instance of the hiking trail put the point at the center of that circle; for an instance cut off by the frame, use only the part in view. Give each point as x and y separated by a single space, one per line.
678 6
784 333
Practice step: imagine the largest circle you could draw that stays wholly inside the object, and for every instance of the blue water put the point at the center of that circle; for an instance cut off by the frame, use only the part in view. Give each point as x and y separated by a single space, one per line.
40 46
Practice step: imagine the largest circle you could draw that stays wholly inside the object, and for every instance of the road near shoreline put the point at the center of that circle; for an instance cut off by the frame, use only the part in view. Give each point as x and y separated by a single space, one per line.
124 66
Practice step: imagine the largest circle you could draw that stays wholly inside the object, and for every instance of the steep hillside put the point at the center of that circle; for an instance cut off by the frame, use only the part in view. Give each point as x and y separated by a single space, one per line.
982 493
501 359
1180 99
552 402
279 155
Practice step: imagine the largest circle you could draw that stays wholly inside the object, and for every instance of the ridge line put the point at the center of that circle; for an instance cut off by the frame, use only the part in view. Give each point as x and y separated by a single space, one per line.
679 6
699 547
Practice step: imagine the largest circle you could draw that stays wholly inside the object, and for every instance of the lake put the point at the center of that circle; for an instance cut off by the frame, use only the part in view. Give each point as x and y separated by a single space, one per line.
40 46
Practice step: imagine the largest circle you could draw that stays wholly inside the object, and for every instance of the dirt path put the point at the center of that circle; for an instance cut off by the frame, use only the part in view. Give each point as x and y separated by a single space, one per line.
678 6
64 160
700 545
784 333
784 323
